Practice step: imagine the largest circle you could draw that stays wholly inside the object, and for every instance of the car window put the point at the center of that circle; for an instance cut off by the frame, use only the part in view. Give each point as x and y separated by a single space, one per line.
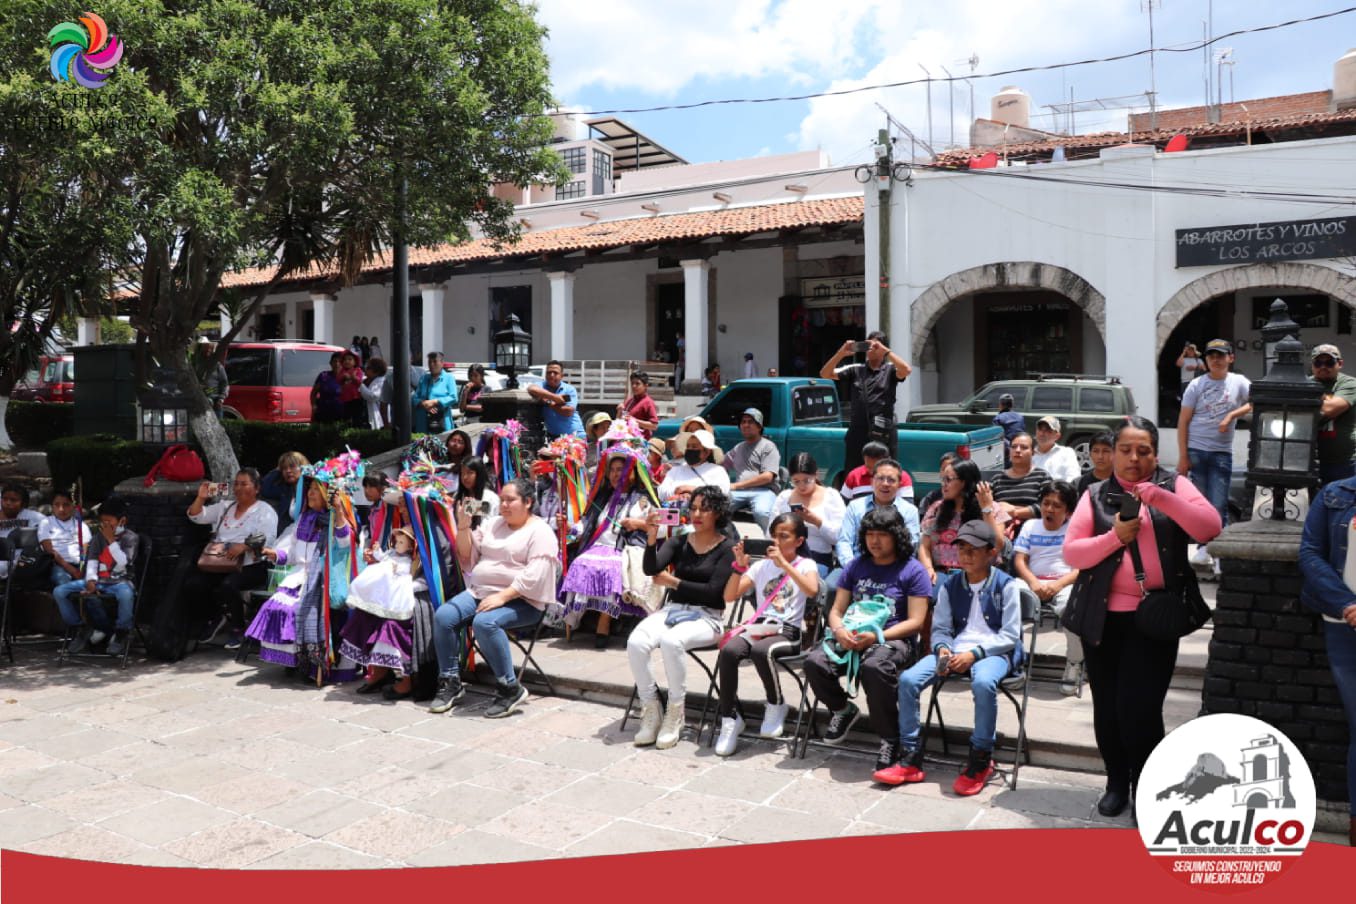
300 367
1052 398
726 410
814 403
68 371
31 377
990 396
1090 399
249 366
49 375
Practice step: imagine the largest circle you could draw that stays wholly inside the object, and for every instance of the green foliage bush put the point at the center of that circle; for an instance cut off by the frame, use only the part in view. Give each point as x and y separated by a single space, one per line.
101 461
32 425
259 444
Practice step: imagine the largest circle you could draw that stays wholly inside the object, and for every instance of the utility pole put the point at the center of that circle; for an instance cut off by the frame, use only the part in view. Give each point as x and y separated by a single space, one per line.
884 167
1153 82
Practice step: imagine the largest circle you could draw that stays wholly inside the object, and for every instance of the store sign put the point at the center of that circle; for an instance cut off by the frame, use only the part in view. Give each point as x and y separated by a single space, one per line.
1289 240
833 291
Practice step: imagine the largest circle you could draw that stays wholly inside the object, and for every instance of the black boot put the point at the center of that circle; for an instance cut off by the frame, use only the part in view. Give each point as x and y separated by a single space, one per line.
1113 802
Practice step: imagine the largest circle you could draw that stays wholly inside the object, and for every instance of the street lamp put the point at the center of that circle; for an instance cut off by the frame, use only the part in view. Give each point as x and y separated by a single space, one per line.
1274 330
162 412
1283 447
512 350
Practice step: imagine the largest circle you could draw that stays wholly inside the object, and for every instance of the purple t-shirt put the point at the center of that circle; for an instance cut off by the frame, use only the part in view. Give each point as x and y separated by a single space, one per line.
896 582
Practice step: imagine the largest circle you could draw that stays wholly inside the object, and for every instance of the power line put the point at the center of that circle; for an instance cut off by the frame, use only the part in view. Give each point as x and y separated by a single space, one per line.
1181 48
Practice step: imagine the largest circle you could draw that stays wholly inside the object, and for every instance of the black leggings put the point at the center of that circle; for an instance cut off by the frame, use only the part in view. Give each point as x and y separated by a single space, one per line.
1129 674
763 652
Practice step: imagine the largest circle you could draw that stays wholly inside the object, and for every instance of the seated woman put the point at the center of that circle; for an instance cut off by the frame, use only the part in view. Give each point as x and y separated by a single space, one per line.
700 467
279 488
477 486
510 562
382 604
820 508
244 524
887 569
964 498
616 520
781 583
702 563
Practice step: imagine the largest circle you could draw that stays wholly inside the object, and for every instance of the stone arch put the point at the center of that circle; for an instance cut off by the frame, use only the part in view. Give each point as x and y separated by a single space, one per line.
927 308
1289 274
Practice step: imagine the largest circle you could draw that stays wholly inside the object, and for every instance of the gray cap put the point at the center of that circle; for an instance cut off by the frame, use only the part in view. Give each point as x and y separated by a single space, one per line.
976 533
755 414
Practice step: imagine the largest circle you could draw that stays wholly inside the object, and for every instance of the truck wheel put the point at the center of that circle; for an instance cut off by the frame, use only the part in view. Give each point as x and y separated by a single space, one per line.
1082 446
230 414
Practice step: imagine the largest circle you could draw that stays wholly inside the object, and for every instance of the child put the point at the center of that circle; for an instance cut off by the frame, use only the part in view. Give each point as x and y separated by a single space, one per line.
64 537
379 631
858 480
1040 562
16 515
375 517
1100 451
976 629
108 569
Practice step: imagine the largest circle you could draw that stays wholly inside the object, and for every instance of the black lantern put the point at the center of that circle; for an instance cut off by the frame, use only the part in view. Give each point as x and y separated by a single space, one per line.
1283 448
1277 327
162 411
512 350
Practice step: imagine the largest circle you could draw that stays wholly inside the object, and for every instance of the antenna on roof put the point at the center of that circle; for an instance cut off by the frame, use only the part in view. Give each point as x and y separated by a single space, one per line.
1148 6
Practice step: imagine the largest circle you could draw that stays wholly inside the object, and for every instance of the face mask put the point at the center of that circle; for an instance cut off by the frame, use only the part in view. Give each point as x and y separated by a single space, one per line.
693 457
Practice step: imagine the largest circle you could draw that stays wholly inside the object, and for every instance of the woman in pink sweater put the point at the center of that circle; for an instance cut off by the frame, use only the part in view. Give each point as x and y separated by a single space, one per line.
1128 671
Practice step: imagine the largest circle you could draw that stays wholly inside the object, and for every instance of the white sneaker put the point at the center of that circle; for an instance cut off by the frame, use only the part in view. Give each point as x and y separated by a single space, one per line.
730 730
774 720
97 637
1070 684
651 714
1202 557
672 727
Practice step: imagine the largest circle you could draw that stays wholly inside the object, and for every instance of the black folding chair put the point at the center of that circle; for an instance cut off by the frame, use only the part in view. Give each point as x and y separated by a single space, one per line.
515 636
1016 680
142 567
21 542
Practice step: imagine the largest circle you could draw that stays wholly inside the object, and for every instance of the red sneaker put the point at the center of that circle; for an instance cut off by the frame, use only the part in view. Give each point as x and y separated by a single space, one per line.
975 774
905 772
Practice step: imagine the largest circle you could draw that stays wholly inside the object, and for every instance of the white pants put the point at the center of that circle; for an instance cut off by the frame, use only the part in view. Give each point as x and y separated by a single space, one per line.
1059 602
673 642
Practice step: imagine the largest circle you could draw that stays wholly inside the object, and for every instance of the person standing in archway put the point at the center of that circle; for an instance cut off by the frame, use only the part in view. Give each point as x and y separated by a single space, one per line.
874 385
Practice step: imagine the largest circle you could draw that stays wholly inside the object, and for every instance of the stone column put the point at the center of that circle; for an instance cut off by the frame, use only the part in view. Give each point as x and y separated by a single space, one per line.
433 296
562 314
87 331
696 292
323 306
290 330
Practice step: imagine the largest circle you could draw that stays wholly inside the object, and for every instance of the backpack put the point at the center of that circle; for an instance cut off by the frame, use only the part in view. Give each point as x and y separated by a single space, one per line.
179 463
868 614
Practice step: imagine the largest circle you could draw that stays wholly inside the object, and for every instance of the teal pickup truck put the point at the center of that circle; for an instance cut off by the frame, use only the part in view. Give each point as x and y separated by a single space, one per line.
802 414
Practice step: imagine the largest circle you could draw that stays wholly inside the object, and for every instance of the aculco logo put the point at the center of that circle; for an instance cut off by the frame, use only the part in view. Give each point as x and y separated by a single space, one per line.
1265 833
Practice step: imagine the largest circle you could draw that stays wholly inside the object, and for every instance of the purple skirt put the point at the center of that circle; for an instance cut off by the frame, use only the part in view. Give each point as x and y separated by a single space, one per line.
370 640
275 628
597 572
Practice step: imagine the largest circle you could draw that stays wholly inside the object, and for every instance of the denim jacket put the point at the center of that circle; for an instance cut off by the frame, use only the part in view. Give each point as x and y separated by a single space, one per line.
1323 550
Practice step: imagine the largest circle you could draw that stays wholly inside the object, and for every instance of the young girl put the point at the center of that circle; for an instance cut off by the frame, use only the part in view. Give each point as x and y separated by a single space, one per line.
476 484
781 584
382 603
1040 562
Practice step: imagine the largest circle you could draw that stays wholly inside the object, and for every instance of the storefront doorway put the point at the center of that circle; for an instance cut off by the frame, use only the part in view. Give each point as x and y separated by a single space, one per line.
828 312
1021 333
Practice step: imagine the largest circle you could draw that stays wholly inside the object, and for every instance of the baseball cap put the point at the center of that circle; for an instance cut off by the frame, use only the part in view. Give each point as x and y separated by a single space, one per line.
755 414
1219 345
748 356
1325 349
1049 421
1006 397
976 533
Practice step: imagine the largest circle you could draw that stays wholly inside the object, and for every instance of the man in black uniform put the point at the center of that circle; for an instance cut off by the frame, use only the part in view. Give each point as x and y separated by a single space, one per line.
873 394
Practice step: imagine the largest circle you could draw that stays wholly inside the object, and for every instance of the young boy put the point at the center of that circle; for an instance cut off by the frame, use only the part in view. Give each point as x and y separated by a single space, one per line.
976 630
858 480
64 537
15 515
108 569
1100 451
1040 562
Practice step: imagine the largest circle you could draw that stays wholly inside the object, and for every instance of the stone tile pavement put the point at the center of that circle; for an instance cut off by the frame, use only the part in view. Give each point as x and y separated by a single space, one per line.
210 763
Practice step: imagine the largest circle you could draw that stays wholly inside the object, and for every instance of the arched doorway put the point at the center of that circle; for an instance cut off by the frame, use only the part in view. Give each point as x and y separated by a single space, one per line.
1257 800
1003 320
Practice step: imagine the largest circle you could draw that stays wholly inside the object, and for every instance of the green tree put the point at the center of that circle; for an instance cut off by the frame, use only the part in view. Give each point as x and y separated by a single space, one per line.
274 133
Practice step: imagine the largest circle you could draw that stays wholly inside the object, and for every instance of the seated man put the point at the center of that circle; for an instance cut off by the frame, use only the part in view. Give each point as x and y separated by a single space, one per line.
753 465
976 629
858 480
108 569
1060 462
885 481
64 537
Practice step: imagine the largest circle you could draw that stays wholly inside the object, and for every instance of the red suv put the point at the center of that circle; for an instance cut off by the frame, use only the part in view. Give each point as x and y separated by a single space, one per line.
57 383
271 381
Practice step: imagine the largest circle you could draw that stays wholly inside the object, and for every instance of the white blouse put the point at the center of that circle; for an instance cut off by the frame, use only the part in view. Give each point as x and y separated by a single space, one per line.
830 511
232 526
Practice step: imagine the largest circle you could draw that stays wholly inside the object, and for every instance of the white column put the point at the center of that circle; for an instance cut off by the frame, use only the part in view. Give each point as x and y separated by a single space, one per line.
87 331
226 323
562 314
696 291
434 296
323 306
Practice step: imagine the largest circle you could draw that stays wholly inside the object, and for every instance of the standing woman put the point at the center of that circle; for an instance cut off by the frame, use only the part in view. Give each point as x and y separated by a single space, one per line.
326 408
702 563
820 508
1128 671
470 396
351 378
370 391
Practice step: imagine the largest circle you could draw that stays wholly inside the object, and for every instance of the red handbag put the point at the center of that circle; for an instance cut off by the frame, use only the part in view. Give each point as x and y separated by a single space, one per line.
179 463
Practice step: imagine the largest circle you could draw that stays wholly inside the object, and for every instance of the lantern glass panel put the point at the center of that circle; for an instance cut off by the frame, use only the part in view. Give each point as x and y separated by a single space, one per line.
1269 454
1275 425
1296 457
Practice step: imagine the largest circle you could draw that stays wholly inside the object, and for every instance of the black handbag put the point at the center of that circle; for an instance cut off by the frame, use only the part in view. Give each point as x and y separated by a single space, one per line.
1172 612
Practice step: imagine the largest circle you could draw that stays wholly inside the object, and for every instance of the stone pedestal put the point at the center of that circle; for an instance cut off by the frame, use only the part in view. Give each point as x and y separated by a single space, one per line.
1267 655
515 404
159 511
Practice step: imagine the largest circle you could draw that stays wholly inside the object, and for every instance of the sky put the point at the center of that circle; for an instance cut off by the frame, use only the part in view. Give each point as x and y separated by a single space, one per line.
640 53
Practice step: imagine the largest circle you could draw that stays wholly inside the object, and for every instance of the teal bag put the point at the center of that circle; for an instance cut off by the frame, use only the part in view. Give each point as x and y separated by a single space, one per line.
866 615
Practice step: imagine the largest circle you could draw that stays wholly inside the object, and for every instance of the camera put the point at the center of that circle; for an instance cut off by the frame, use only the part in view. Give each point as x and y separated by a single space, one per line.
862 347
670 515
474 507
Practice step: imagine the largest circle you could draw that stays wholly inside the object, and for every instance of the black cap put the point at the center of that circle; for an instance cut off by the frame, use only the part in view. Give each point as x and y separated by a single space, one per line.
976 533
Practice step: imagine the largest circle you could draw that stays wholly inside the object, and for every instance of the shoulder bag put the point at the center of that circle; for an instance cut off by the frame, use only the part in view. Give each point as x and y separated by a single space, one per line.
1172 612
214 558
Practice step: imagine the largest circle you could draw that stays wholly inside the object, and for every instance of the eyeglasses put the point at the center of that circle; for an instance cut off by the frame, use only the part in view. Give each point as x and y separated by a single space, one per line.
1325 362
946 480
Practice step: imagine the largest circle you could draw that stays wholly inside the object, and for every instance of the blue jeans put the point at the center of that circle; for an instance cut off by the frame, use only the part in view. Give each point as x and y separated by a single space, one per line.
984 677
70 609
1341 642
1211 472
489 627
61 576
759 501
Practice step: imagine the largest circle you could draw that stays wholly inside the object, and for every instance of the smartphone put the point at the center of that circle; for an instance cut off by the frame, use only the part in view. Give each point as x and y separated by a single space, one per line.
669 515
1129 508
862 347
797 507
757 549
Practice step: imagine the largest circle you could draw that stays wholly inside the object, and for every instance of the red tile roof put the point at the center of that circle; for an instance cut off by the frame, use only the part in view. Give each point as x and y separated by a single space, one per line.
1270 129
1233 111
607 234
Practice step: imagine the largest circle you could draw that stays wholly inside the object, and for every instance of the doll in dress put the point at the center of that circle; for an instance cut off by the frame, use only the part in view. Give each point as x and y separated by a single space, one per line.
379 631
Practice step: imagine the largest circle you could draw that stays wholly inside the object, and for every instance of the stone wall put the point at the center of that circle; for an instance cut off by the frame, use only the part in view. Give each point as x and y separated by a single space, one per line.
1267 655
